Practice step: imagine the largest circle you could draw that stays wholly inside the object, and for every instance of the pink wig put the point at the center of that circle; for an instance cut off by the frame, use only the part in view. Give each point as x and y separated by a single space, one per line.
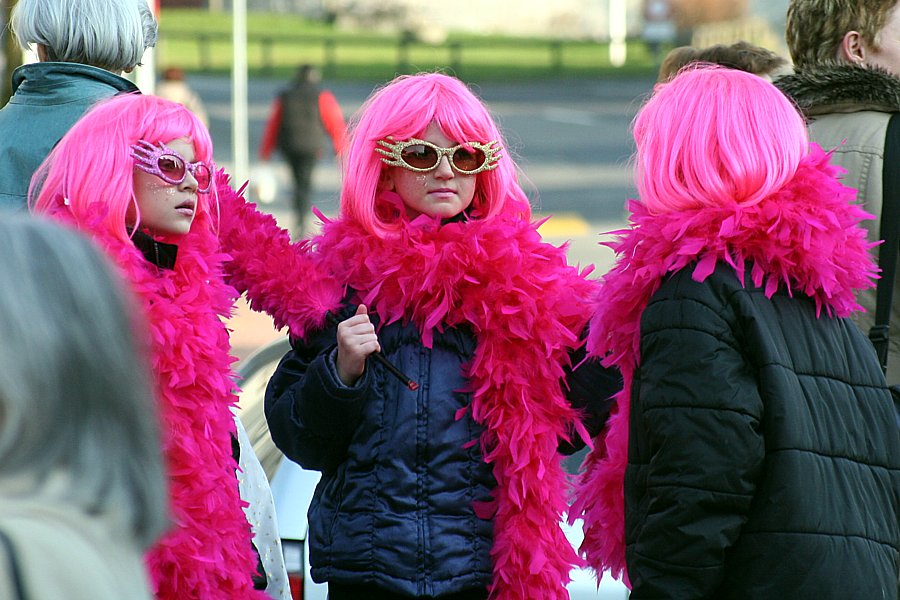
713 136
403 109
91 169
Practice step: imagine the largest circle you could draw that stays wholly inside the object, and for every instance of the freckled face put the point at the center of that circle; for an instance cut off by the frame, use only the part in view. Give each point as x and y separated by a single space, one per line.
442 192
167 209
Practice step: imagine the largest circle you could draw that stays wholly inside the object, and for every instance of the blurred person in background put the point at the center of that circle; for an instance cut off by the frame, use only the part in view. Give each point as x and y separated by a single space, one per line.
172 86
82 489
740 55
83 47
302 114
846 81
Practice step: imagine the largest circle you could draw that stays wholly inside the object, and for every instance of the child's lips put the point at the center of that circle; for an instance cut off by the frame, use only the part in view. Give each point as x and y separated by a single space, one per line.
186 208
443 192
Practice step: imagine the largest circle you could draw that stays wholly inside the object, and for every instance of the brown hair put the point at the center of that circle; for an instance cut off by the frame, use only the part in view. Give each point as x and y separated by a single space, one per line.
816 28
742 56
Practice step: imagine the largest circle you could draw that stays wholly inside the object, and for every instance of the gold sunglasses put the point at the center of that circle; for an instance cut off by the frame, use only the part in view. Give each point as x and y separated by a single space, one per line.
468 158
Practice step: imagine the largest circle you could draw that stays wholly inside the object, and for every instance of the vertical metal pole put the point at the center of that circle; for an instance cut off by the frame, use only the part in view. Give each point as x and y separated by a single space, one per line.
618 30
239 126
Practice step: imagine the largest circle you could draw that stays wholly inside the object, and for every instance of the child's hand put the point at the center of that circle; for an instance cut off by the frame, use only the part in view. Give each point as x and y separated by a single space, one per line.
356 340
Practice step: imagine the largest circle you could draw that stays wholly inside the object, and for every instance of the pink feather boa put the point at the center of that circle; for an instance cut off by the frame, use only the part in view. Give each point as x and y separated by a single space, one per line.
527 308
207 553
805 237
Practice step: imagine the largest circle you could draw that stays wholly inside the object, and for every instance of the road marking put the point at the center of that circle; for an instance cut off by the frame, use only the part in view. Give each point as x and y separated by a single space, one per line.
564 225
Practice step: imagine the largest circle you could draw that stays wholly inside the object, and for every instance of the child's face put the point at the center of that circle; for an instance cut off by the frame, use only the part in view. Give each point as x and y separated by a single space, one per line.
442 192
167 208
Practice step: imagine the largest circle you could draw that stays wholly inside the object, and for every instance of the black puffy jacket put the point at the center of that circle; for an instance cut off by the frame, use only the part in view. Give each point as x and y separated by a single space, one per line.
769 466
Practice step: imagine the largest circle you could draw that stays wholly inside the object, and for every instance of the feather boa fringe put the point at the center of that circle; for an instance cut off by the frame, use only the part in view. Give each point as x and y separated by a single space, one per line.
208 552
526 307
806 237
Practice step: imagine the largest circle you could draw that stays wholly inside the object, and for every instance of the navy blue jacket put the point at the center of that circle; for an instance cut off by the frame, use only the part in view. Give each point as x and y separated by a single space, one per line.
394 505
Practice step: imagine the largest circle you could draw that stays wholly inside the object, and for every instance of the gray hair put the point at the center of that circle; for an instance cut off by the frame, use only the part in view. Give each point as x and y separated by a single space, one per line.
108 34
76 398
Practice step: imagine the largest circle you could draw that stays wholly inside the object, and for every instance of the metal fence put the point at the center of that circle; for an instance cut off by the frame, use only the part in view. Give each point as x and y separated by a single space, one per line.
351 56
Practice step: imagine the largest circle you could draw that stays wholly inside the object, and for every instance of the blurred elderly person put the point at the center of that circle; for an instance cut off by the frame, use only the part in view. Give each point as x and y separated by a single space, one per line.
83 48
82 487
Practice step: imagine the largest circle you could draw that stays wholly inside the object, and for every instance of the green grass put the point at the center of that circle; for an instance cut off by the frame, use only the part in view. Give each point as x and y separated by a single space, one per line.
200 41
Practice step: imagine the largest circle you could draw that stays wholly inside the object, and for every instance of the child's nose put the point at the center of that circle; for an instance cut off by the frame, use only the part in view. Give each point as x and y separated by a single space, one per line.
189 182
443 168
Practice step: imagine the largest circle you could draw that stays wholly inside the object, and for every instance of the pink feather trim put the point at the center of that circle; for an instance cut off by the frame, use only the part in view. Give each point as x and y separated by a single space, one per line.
207 553
281 279
526 307
806 237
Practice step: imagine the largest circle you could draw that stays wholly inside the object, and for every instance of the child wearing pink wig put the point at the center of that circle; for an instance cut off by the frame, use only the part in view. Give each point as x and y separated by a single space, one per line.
444 482
754 443
136 174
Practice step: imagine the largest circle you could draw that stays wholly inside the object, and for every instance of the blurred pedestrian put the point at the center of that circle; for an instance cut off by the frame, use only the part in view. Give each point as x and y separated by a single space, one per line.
740 55
302 114
83 47
448 484
136 173
754 443
847 83
82 489
172 86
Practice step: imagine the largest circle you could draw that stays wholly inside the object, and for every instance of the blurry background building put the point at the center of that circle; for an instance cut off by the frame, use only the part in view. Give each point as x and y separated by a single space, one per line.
581 19
688 22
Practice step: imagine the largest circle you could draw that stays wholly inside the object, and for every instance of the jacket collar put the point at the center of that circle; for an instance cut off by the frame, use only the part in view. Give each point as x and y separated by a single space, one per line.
51 78
161 254
842 88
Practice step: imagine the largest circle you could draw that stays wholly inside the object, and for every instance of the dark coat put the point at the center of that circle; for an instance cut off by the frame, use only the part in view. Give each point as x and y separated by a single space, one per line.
300 129
779 397
394 505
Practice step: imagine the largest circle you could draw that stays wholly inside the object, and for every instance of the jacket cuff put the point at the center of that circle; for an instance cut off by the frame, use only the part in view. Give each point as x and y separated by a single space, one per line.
337 387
